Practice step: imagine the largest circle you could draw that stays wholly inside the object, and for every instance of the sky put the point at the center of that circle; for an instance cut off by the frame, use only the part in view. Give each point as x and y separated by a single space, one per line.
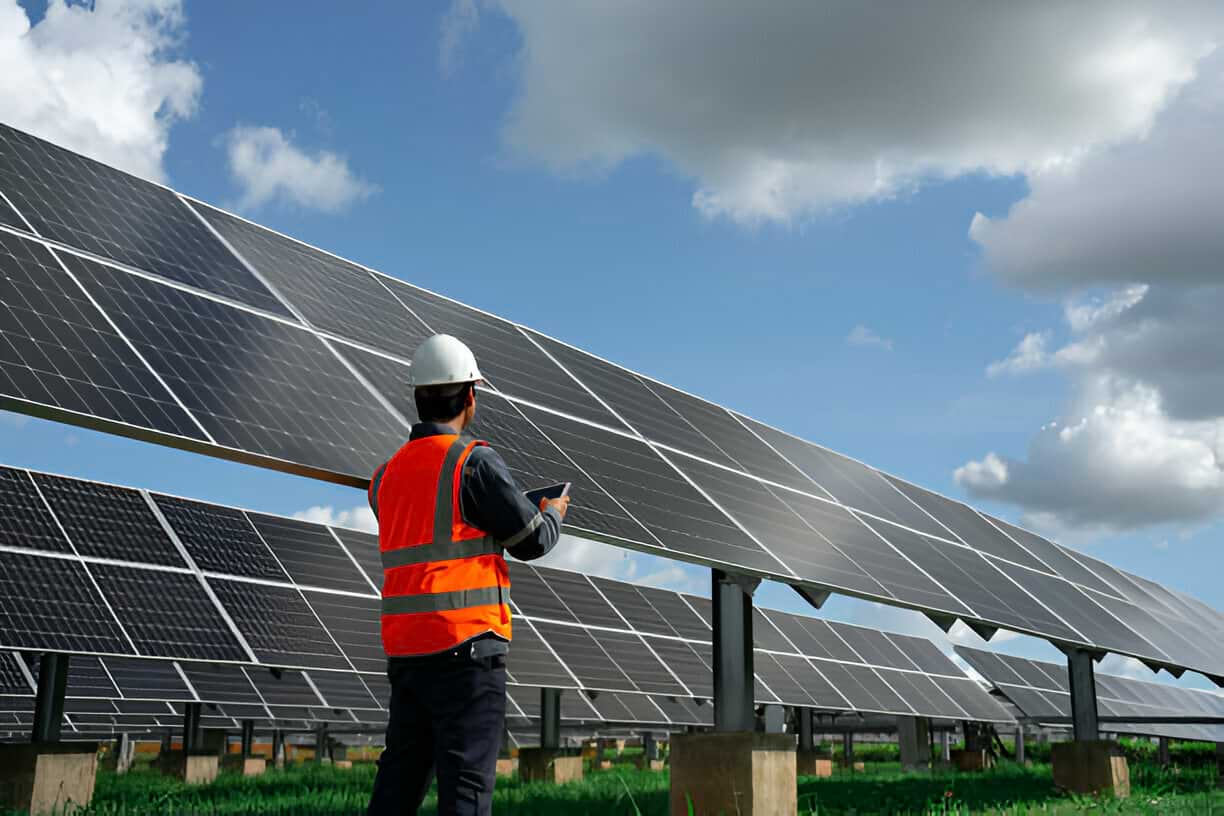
977 246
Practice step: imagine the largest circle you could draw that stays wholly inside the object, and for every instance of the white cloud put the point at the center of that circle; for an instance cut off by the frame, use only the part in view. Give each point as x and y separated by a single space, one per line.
106 83
862 336
359 517
459 21
1029 355
597 558
268 167
781 110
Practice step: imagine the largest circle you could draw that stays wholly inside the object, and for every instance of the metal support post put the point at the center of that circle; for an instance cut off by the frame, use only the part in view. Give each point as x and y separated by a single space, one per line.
320 743
733 677
49 699
1083 696
550 718
945 746
1162 751
192 734
123 753
650 748
1020 744
278 747
248 737
804 716
848 748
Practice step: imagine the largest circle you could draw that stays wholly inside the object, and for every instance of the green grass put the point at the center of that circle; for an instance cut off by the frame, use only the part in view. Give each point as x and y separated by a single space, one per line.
624 791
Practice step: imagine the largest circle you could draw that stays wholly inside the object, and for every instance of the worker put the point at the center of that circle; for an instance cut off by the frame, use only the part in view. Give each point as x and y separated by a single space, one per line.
447 506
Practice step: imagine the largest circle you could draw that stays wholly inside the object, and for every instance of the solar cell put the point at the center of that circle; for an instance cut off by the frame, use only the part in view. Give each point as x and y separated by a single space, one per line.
766 636
886 699
510 361
332 294
781 684
640 614
687 665
654 493
1057 559
848 685
278 625
611 708
872 646
1182 651
811 681
972 700
631 656
167 614
584 657
364 549
12 679
629 396
309 553
533 596
219 539
283 688
851 483
921 694
50 604
147 679
257 384
530 661
108 522
59 354
353 622
219 683
85 204
704 608
24 521
675 612
925 654
342 690
587 605
86 678
389 377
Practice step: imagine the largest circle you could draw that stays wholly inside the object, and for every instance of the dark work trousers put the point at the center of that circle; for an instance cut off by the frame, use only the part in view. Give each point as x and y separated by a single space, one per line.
448 714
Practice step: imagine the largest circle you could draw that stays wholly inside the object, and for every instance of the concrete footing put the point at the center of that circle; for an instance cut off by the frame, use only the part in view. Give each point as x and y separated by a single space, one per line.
342 764
506 766
810 763
966 760
245 765
194 769
47 777
548 765
1096 766
742 772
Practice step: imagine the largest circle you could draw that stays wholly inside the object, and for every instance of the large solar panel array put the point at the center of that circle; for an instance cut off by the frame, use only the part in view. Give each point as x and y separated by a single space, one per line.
1041 691
262 610
128 307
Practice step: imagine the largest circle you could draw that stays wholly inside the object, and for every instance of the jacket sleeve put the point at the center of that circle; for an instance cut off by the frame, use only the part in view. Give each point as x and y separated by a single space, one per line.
491 500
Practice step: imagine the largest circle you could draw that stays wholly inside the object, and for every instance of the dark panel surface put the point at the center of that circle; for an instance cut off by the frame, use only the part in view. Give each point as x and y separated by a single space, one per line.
364 549
354 623
309 553
780 683
1057 559
511 362
334 295
219 539
283 688
278 625
343 690
577 593
925 654
167 614
12 679
678 614
216 683
86 677
630 397
631 656
109 522
147 679
50 603
531 663
583 656
970 697
641 615
807 673
389 377
686 664
256 384
766 636
57 350
24 520
872 646
85 204
533 596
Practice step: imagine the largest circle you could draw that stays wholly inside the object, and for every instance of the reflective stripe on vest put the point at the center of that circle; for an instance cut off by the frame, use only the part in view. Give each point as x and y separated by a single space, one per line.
469 576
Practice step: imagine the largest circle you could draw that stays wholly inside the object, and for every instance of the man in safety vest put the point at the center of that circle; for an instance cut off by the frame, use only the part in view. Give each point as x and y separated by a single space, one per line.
447 507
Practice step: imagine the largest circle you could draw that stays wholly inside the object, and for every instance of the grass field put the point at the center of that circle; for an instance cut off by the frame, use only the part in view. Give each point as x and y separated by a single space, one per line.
624 791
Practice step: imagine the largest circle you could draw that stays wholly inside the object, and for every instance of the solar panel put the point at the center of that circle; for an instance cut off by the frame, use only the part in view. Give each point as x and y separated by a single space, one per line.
309 553
147 679
532 663
219 539
640 665
872 647
807 675
86 678
108 522
12 679
278 625
671 607
583 657
578 594
780 683
340 690
167 614
58 354
634 608
87 205
283 688
50 603
533 597
684 661
24 521
353 622
363 547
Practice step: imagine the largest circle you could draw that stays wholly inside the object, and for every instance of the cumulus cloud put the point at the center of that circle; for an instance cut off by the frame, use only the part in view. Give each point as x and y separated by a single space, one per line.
1029 355
862 336
104 82
268 167
781 110
597 558
359 517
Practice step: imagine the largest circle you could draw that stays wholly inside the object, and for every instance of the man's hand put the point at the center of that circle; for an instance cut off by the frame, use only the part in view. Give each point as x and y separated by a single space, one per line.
560 505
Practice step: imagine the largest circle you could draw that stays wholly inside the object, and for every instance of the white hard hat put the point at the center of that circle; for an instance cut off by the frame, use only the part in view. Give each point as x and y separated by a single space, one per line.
443 360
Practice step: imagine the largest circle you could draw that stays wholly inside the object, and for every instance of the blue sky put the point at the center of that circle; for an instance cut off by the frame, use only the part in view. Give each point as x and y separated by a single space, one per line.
468 156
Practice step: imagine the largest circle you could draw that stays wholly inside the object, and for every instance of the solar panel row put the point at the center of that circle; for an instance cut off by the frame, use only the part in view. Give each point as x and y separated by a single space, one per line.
1041 690
126 306
234 587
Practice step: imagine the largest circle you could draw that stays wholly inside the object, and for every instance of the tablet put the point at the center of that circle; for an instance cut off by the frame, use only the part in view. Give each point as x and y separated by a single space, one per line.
553 491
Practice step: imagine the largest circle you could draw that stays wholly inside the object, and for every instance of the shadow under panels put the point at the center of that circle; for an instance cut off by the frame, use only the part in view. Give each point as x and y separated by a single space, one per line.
59 354
256 384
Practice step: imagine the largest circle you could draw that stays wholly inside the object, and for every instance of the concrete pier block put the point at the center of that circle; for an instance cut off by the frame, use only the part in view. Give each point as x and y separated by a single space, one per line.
47 777
506 766
968 761
247 766
1095 766
194 769
744 773
548 765
810 763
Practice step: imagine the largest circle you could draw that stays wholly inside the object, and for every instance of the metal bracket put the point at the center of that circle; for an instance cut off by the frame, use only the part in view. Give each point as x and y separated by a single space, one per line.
744 582
944 622
982 630
816 597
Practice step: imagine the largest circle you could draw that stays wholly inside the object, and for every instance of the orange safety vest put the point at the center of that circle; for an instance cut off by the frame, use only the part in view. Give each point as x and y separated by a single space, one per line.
444 581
